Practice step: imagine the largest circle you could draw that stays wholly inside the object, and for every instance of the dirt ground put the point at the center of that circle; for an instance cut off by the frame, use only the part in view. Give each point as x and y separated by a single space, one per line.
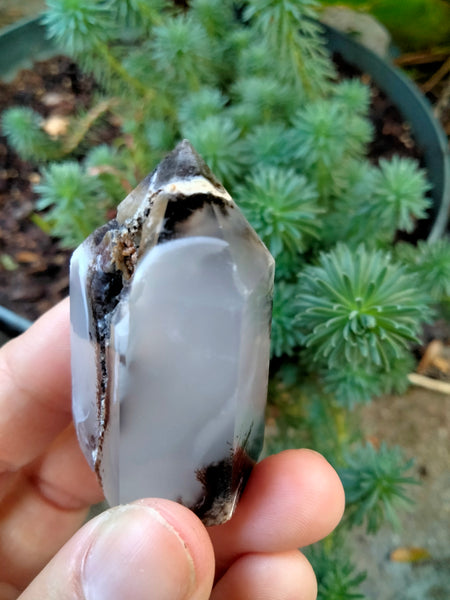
418 422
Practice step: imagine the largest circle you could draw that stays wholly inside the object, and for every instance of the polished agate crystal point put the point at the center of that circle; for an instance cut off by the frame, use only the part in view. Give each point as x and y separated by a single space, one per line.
170 312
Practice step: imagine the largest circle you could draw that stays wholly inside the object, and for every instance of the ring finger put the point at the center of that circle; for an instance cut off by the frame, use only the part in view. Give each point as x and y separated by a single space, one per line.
283 576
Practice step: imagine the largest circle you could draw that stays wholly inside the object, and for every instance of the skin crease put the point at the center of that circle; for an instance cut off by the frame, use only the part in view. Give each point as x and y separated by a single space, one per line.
292 499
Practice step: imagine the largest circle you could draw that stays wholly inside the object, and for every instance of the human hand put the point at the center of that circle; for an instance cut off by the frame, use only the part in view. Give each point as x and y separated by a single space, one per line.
152 548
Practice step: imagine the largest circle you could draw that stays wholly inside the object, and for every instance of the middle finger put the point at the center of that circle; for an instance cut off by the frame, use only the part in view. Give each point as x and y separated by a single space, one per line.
292 499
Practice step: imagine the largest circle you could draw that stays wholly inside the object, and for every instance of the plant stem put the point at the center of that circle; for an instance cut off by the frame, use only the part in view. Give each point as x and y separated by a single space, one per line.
342 434
119 69
86 123
328 543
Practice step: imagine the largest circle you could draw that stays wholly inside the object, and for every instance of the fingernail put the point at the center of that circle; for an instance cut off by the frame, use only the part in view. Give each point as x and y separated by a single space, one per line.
137 554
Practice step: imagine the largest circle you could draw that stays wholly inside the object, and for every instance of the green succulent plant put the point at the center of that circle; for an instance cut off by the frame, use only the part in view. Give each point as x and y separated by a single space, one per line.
399 197
181 52
80 25
263 98
139 14
196 107
352 385
106 164
325 136
395 381
431 262
375 484
359 308
282 207
217 139
291 35
338 581
23 127
267 145
286 336
353 95
74 201
216 16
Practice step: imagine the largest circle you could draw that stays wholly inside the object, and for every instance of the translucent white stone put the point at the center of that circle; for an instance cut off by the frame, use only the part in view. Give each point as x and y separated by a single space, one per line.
171 310
83 358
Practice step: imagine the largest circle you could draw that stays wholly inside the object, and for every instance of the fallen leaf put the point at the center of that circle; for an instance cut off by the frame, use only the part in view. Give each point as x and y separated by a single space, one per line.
34 177
432 351
442 364
56 126
8 263
374 441
409 554
25 256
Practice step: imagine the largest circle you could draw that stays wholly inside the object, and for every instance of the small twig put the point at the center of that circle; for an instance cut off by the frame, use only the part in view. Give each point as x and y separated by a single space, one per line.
443 104
433 350
430 384
422 58
86 123
437 77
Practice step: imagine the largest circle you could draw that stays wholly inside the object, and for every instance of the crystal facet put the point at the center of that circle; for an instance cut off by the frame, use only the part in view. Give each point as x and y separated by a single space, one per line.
170 312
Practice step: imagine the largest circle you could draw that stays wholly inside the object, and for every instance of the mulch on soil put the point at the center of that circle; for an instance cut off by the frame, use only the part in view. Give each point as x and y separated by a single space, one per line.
34 269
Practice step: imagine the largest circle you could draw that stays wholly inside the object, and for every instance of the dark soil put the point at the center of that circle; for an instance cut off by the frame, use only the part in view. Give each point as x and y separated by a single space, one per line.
33 267
392 135
418 422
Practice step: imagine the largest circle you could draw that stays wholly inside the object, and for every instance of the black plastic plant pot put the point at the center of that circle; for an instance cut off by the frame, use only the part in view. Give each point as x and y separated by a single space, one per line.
25 42
416 110
21 44
12 324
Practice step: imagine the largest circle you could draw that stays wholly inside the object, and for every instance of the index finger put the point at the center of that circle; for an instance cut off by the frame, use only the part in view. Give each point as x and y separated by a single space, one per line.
35 389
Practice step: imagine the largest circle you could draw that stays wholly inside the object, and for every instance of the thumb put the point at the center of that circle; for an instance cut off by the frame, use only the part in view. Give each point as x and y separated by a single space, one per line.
150 549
